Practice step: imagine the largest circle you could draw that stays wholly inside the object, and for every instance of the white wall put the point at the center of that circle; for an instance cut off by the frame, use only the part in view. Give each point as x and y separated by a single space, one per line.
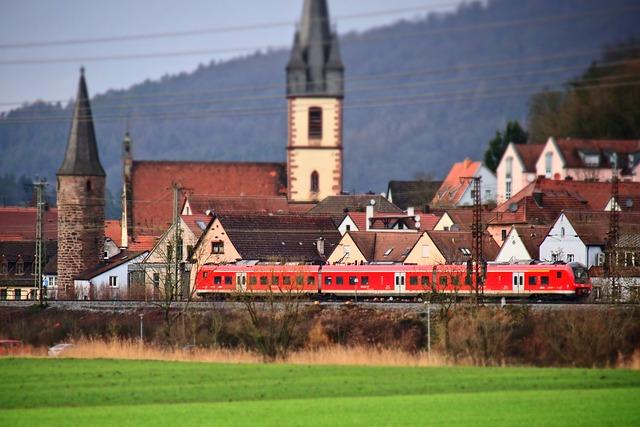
513 249
101 281
342 228
563 244
488 187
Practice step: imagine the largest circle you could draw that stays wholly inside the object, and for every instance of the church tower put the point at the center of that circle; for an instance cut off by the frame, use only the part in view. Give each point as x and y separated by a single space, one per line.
81 200
315 90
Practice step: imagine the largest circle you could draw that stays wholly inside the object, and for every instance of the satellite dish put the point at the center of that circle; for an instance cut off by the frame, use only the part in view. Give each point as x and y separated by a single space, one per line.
513 207
418 225
416 218
372 202
629 202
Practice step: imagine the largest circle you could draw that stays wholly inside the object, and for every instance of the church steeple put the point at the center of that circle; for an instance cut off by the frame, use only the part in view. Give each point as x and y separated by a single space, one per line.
315 67
81 157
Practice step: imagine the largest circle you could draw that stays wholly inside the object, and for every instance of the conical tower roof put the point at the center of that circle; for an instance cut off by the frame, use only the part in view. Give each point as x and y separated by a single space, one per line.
81 157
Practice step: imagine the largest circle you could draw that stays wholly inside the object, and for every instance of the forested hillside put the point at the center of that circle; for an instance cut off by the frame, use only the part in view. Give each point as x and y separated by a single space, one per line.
420 94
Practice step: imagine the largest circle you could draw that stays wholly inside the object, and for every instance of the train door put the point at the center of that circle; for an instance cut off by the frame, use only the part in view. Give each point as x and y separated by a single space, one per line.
400 282
518 283
241 282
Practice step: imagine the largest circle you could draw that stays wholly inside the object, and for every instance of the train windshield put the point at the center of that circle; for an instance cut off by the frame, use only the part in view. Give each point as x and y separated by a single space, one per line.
579 273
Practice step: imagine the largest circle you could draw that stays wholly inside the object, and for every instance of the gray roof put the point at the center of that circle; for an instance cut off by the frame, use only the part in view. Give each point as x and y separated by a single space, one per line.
315 66
338 205
415 194
81 157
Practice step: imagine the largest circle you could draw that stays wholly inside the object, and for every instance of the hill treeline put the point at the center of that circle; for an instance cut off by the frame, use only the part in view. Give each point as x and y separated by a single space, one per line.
421 94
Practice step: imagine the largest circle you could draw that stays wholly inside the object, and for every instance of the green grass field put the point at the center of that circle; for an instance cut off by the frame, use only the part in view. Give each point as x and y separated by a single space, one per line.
108 392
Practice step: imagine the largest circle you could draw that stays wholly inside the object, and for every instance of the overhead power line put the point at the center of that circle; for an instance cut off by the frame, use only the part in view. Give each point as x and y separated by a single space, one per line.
219 30
422 99
358 39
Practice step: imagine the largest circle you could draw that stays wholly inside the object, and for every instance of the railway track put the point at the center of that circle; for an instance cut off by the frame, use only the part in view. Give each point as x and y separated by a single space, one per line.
126 306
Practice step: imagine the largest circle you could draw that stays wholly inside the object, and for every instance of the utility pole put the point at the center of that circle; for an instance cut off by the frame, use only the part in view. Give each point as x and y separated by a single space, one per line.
611 258
40 255
477 257
176 239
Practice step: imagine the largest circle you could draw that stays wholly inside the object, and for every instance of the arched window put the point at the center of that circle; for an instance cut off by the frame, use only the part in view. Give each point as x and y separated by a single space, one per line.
88 186
315 123
315 182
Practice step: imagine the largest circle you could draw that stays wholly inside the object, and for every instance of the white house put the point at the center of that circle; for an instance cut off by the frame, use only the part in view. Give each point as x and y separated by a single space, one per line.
522 243
109 279
516 169
576 237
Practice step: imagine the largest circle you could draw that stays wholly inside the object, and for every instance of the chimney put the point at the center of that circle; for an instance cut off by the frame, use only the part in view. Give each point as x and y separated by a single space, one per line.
411 211
368 215
320 246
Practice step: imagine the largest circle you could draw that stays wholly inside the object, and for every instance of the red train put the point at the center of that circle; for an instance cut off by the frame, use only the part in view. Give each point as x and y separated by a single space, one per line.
398 281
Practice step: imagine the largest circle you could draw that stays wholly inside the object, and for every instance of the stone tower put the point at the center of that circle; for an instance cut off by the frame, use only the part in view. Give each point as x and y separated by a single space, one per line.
315 90
81 200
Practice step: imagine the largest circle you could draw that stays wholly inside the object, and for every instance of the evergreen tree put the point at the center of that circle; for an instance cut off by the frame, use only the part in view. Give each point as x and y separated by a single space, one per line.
497 146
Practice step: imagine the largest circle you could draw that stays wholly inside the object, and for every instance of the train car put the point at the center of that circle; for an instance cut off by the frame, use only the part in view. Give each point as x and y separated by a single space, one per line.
402 281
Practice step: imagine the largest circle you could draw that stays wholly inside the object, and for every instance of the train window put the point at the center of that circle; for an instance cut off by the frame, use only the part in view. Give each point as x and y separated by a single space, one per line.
544 280
328 280
217 280
275 280
558 274
227 280
455 280
339 280
311 280
364 280
253 280
353 280
286 280
264 280
533 280
299 280
413 280
443 280
424 280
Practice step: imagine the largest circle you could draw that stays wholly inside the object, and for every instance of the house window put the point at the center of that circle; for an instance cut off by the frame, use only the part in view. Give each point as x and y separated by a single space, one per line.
548 160
364 280
347 249
554 257
425 251
507 192
315 123
217 248
3 294
169 252
113 281
156 280
20 266
504 234
17 294
315 182
4 267
189 251
562 232
348 227
570 257
179 250
88 186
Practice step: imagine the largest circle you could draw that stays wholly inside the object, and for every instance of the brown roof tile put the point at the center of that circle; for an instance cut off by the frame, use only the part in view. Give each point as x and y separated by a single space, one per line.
454 244
415 194
571 148
529 154
230 204
338 205
452 188
18 223
384 246
152 182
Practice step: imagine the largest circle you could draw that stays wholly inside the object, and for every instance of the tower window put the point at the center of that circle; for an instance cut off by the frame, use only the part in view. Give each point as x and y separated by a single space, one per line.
315 123
315 182
88 185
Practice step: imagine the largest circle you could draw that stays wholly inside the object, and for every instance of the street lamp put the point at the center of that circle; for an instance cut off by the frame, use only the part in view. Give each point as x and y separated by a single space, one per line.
141 328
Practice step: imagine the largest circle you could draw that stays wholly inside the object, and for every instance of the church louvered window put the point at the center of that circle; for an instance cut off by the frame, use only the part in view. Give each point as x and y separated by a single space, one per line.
315 123
315 182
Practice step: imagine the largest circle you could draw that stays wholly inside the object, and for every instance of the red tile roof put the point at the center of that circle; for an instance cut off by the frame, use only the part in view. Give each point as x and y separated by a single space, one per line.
229 204
385 246
113 231
18 223
451 245
291 237
142 243
452 189
359 219
593 227
532 236
571 148
152 182
428 221
463 218
542 201
529 154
